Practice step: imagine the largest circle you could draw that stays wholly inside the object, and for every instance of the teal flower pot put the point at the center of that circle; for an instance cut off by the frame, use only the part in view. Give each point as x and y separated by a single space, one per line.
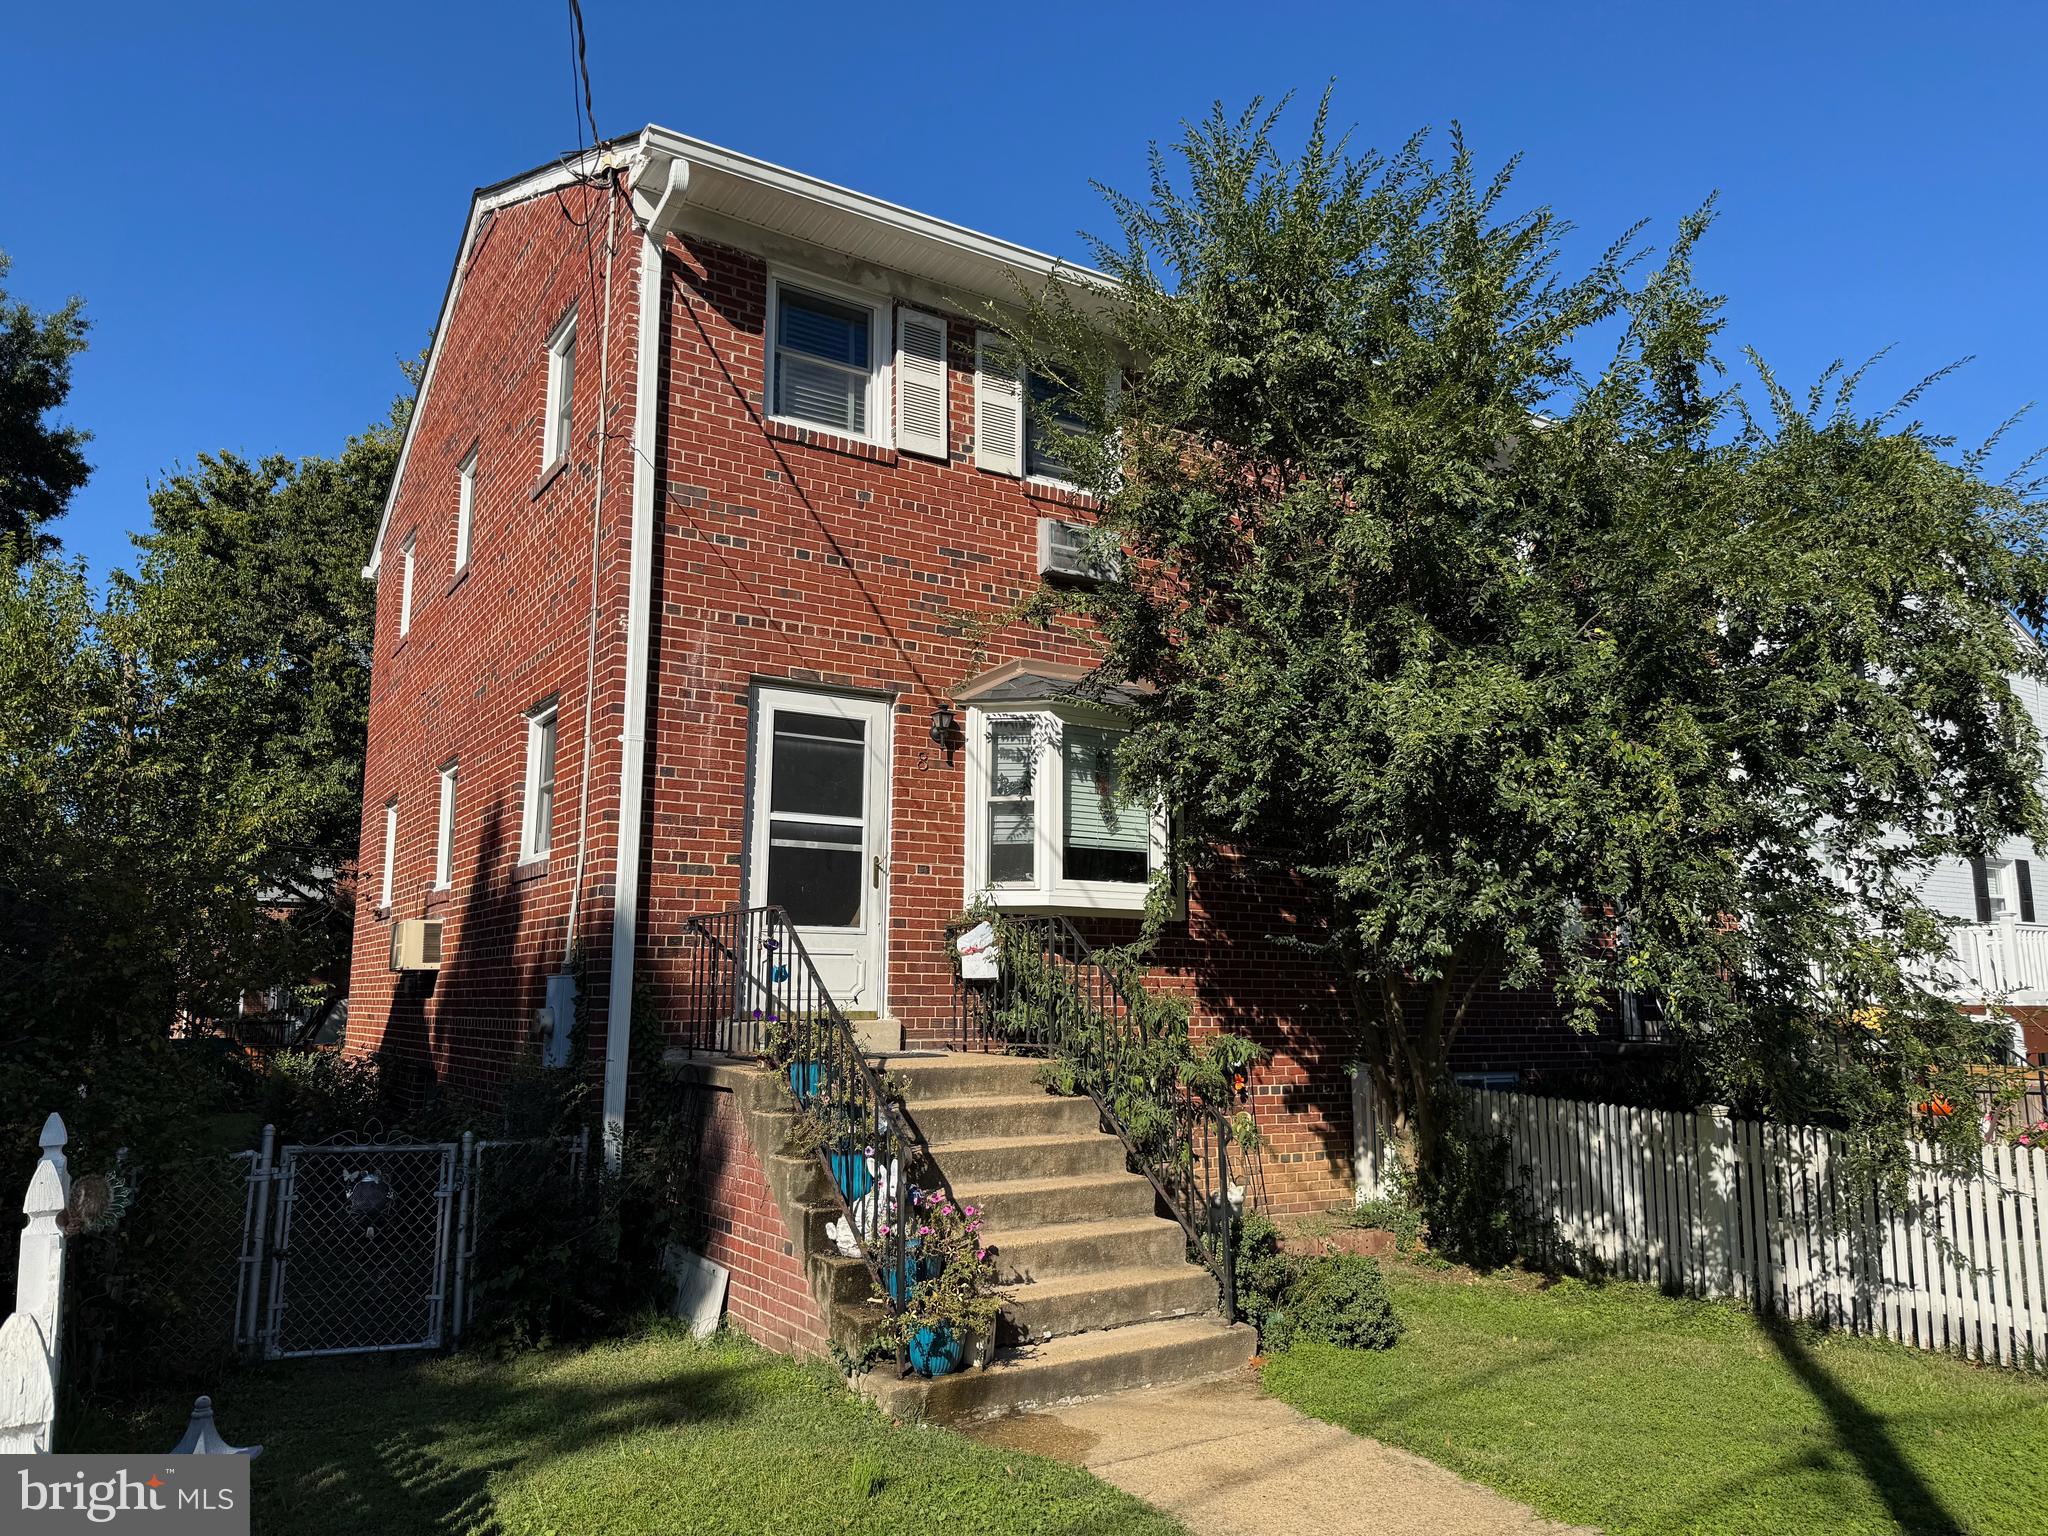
901 1280
936 1352
851 1173
803 1080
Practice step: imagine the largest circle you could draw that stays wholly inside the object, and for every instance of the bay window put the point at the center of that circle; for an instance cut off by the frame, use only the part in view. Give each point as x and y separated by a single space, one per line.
1050 824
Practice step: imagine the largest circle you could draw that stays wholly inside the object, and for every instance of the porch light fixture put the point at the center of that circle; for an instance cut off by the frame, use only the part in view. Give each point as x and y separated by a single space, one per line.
943 729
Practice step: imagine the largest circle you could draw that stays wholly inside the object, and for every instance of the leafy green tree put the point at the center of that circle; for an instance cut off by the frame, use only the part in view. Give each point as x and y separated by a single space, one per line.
250 596
181 785
1534 679
41 465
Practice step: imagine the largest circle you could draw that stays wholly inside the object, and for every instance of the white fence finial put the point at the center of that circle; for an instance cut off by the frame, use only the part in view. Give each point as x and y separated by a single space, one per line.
29 1348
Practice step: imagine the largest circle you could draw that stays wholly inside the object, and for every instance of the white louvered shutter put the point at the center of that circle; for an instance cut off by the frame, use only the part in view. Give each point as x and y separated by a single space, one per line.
998 408
921 383
1114 392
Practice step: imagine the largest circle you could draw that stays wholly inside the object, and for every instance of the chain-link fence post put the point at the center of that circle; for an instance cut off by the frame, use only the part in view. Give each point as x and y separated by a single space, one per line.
255 1236
466 1176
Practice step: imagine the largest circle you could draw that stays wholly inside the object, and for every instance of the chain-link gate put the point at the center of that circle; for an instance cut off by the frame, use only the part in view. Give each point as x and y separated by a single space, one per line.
360 1259
357 1247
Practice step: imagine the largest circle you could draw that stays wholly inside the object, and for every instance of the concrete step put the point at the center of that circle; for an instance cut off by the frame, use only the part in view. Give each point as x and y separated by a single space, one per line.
878 1036
985 1159
963 1074
1084 1365
1012 1204
1109 1298
1024 1113
1084 1247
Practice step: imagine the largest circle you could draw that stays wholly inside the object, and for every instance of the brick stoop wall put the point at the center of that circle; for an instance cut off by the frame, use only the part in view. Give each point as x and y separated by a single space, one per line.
762 1214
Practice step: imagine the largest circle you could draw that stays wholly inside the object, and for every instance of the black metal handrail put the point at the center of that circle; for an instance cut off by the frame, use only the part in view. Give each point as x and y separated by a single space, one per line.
1057 999
755 992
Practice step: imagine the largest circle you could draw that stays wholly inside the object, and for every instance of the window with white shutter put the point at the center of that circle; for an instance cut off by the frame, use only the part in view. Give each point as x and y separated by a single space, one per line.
921 383
998 407
828 356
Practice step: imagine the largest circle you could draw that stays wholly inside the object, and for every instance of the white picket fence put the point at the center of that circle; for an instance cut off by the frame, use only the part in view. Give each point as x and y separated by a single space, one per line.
1710 1205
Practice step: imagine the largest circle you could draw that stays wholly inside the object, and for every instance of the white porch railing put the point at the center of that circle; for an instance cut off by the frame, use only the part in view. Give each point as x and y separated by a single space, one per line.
1997 960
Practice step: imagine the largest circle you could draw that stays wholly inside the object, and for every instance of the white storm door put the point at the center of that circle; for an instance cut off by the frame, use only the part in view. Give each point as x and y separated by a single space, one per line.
821 832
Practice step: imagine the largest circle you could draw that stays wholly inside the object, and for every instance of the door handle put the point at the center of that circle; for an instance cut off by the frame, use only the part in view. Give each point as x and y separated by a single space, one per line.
880 870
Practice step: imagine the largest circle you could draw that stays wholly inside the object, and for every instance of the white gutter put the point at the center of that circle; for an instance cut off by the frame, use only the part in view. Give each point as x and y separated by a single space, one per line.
672 178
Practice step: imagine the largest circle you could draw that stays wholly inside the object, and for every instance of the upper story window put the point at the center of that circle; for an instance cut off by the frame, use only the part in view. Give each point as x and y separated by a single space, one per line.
2004 889
444 835
825 359
1053 418
537 821
406 564
1050 823
390 854
561 390
465 507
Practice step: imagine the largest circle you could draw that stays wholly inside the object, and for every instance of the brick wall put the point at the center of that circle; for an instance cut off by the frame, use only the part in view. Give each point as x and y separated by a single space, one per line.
784 557
490 642
732 1218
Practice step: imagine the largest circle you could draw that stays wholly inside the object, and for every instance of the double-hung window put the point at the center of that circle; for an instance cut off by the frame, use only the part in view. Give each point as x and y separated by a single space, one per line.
390 854
1012 803
1051 825
561 390
406 564
825 357
537 823
444 835
1053 418
465 508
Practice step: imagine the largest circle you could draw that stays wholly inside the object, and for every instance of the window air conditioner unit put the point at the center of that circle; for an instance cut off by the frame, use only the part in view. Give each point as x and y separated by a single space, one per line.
1063 553
416 944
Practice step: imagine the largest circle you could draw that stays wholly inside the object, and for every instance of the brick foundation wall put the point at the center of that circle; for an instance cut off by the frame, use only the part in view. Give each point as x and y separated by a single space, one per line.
733 1219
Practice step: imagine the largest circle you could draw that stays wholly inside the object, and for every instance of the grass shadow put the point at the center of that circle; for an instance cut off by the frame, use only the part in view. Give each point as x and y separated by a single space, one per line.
1864 1437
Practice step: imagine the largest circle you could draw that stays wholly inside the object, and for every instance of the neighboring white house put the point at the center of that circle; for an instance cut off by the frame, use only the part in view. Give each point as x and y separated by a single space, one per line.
2000 941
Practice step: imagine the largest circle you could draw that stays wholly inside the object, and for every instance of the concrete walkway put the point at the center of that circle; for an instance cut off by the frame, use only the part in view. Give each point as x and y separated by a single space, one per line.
1226 1460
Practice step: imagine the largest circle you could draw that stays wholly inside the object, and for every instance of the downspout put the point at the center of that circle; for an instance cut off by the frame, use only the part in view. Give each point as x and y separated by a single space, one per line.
672 178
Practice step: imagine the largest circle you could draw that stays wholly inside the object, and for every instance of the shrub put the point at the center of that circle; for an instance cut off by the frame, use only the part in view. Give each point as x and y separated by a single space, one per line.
1395 1216
312 1095
1265 1276
1341 1299
1469 1201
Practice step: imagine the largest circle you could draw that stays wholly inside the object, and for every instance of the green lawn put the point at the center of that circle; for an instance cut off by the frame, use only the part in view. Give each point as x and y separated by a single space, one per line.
661 1434
1620 1408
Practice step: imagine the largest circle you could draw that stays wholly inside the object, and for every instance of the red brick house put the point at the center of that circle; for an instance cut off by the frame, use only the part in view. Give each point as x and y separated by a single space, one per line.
710 477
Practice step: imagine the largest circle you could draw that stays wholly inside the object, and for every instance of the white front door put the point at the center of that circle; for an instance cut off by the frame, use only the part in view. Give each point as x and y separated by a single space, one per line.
821 832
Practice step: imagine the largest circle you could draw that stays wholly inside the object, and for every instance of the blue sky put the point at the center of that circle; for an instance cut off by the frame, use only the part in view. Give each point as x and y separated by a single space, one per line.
261 203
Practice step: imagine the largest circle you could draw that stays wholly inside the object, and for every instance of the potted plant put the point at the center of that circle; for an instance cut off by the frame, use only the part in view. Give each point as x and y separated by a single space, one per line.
954 1304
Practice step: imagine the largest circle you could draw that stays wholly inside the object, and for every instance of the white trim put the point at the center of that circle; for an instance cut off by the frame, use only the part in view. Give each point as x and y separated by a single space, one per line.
957 259
465 509
486 201
444 831
409 554
878 406
852 960
390 852
558 420
647 408
1049 890
542 722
